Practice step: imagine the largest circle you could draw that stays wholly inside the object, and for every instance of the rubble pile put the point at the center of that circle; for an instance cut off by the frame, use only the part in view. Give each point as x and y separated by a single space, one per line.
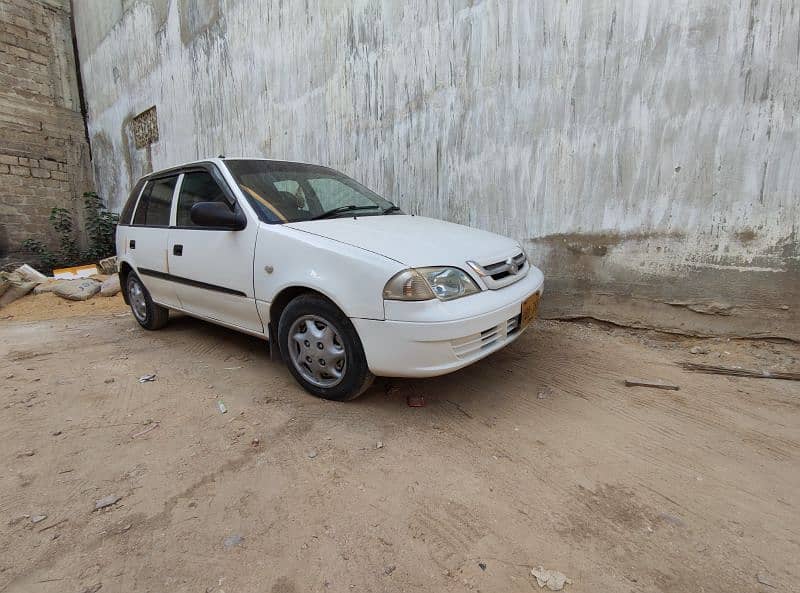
77 284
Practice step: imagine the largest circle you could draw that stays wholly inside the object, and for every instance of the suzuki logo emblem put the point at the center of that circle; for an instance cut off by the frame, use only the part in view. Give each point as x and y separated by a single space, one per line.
513 268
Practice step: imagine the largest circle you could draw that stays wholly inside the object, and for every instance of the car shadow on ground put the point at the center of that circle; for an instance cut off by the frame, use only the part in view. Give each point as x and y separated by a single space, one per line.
474 384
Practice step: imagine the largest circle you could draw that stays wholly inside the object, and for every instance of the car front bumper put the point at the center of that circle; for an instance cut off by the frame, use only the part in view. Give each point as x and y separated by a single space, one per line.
420 346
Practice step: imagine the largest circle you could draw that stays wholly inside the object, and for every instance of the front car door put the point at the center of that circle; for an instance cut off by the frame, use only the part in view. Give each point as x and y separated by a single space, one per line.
146 238
212 269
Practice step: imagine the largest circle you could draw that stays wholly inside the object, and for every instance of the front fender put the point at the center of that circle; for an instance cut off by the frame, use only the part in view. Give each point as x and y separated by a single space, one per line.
351 277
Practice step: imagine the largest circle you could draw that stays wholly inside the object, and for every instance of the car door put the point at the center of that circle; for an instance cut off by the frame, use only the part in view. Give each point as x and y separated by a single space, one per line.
146 238
212 268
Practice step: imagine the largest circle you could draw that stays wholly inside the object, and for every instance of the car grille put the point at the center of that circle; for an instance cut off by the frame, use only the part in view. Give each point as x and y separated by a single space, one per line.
469 346
502 273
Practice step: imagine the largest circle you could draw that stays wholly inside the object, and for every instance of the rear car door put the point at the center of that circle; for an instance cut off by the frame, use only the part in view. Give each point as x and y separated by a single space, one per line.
212 268
146 238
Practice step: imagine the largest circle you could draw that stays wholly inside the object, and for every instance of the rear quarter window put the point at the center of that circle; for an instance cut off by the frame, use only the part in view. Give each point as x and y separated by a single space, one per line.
127 212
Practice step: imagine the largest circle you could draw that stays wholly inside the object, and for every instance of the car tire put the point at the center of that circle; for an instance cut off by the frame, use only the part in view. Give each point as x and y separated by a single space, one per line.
322 350
149 314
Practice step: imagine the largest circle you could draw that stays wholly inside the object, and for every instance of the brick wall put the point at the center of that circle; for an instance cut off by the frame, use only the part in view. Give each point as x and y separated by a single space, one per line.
44 157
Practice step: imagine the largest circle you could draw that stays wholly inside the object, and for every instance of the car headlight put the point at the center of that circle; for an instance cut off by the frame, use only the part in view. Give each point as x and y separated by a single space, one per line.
422 284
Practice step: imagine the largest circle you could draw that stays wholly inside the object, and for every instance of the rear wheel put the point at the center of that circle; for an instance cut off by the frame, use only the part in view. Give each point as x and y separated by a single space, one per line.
322 350
147 313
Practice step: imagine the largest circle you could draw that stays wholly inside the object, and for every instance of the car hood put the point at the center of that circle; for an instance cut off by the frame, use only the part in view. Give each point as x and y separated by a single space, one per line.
414 241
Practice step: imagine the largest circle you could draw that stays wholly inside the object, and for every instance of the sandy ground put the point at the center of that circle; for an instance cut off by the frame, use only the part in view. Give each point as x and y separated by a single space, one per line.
49 306
537 455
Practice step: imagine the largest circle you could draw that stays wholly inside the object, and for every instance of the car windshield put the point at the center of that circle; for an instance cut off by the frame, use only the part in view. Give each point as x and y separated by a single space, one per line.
292 192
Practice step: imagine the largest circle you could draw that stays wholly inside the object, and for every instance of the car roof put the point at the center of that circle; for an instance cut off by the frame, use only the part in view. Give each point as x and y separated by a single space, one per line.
218 161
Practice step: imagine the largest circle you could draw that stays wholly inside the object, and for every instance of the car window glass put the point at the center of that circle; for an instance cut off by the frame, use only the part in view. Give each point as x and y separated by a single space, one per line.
281 192
332 193
155 203
127 212
292 193
197 186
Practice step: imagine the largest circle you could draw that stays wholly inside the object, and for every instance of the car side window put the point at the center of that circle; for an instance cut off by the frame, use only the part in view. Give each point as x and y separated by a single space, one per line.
197 186
155 203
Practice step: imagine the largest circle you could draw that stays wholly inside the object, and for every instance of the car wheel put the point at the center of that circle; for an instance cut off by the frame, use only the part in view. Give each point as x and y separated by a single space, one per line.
322 349
147 313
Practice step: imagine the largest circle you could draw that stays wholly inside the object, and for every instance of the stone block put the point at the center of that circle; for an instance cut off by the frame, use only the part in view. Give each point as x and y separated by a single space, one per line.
21 171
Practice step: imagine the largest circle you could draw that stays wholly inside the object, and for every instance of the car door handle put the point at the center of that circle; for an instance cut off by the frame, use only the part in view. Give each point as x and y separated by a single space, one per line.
177 249
132 244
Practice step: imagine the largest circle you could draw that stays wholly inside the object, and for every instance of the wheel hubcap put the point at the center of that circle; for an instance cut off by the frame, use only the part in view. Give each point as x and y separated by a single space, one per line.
317 351
137 300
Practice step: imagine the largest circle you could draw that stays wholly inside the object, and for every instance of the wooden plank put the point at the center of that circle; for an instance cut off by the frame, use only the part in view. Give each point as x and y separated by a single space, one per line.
652 384
739 371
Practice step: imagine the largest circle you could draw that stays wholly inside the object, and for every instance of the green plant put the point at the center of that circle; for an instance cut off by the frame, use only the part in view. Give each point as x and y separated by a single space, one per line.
101 225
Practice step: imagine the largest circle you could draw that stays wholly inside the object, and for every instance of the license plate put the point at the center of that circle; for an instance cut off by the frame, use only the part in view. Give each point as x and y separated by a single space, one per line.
529 308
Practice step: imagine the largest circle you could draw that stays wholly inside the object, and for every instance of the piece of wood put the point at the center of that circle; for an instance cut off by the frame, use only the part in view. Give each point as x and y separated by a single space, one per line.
53 525
648 383
738 371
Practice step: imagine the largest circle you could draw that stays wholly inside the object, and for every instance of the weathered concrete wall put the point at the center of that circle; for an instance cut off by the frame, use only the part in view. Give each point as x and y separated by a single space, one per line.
644 152
44 156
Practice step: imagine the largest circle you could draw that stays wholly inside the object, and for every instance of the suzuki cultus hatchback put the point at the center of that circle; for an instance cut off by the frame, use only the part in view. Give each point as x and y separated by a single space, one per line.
343 284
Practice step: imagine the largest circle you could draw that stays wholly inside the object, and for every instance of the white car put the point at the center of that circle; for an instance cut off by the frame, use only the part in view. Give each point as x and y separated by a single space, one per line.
342 283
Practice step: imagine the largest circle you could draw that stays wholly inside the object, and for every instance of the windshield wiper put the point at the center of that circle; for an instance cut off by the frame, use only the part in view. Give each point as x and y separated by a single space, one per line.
341 209
391 209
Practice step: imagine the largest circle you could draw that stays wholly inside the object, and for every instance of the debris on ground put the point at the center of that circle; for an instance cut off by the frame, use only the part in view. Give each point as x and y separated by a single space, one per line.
222 408
150 426
77 290
312 454
109 380
147 378
28 453
48 285
108 265
231 542
482 565
739 371
75 272
552 579
389 569
110 286
106 501
30 274
671 519
653 384
56 524
698 350
93 588
14 285
38 518
379 445
255 442
765 579
415 401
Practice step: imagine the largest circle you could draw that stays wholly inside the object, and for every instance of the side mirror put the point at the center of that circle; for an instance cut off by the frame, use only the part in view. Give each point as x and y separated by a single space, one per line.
217 215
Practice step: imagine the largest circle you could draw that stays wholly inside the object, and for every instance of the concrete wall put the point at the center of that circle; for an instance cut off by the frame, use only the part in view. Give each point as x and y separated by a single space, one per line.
44 155
644 152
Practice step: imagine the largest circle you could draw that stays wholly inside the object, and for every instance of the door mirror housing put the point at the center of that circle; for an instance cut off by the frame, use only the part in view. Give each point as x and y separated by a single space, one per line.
217 215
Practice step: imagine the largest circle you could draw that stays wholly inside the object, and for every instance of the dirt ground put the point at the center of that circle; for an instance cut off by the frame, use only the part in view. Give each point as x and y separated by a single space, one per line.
538 455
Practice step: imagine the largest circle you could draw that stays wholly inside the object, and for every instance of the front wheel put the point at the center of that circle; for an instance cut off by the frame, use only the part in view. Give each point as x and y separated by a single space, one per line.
147 313
322 349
